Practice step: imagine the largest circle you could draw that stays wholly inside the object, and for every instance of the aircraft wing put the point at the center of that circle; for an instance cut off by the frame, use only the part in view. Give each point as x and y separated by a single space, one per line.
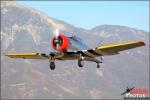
91 53
116 48
108 49
36 55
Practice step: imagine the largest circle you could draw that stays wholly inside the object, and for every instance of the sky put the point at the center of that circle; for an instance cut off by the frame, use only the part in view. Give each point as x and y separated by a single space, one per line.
89 14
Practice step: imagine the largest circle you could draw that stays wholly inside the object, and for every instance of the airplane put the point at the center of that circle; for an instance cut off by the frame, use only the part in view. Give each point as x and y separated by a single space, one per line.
127 90
72 48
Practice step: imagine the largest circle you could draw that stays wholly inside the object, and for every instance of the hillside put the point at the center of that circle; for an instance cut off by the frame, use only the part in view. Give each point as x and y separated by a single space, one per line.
24 29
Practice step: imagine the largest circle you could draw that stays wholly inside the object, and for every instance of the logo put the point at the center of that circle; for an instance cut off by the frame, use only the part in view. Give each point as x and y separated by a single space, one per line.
136 93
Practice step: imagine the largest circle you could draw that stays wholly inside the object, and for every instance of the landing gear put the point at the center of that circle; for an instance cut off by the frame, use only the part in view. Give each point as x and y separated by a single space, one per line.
81 61
52 64
101 61
98 65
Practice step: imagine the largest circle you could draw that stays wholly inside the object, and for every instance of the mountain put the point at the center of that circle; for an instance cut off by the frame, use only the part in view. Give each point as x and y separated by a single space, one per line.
24 29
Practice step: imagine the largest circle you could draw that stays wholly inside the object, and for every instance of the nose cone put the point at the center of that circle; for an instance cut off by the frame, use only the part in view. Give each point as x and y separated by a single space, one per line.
56 41
60 43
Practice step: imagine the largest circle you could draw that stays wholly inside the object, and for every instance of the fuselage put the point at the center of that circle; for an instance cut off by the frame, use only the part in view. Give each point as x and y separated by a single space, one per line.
68 45
64 43
76 44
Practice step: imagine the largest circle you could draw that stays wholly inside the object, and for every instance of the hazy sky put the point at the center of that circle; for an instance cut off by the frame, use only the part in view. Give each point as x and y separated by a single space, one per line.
88 14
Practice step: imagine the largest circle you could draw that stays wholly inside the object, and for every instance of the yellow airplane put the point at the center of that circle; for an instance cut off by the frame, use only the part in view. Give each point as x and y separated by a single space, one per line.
71 48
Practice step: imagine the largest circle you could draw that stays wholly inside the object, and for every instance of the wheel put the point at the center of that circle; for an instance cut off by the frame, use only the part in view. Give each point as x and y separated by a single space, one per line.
52 65
98 65
80 63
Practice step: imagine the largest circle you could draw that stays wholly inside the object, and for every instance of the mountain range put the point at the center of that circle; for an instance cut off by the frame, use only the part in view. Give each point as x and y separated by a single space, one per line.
24 29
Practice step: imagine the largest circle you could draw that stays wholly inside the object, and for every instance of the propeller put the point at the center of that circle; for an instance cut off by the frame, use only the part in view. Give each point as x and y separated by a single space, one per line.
56 33
60 42
57 40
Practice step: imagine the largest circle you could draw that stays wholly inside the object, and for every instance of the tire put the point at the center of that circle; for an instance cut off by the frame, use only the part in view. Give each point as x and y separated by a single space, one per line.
80 63
98 65
52 65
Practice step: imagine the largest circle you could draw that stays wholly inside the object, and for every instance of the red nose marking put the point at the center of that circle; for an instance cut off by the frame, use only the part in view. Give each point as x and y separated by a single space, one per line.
64 45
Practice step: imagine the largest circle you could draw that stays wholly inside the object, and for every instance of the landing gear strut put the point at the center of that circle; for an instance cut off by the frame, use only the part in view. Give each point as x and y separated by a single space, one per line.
52 64
101 61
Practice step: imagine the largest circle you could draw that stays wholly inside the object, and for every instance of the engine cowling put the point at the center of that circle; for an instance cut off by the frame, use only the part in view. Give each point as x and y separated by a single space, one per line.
60 43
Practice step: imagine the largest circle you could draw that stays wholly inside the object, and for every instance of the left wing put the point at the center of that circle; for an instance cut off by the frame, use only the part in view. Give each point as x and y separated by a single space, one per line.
108 49
36 55
116 48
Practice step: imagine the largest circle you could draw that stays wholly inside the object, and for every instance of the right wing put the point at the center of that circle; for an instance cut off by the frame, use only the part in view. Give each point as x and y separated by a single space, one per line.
36 55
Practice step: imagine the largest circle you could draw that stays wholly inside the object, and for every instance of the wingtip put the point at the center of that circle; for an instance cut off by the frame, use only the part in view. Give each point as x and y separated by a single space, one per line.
4 54
141 43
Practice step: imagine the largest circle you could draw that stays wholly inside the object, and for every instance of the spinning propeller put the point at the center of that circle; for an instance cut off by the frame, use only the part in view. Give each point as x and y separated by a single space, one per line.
56 32
57 40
